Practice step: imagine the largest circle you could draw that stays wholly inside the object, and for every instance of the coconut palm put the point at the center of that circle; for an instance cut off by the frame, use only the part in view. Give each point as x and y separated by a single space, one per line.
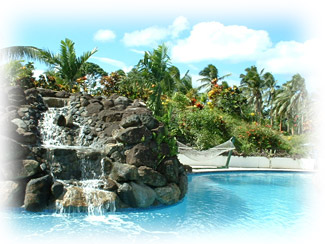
291 101
270 93
253 84
210 76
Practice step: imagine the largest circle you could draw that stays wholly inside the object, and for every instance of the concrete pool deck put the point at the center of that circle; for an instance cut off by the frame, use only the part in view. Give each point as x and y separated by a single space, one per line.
238 163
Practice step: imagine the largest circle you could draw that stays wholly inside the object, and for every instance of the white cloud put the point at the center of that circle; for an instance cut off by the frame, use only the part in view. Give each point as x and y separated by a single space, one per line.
151 36
137 51
115 63
104 35
213 40
288 57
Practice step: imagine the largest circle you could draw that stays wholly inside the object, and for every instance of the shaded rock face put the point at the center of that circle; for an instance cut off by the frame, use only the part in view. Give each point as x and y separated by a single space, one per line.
107 140
38 193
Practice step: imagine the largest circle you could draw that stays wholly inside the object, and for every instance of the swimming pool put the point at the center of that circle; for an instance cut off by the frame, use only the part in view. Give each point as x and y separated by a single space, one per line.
229 206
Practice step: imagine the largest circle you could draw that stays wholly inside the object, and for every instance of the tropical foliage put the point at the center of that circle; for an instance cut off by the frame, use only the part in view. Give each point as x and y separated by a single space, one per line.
266 118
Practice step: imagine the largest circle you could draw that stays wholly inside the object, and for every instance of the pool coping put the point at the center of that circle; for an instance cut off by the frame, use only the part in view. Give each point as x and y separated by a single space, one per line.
236 169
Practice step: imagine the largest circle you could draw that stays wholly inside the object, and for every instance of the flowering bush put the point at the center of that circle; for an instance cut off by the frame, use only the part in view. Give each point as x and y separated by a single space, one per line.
227 99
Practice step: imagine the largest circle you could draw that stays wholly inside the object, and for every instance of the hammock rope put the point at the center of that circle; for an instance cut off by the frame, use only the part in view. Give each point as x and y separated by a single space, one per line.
203 155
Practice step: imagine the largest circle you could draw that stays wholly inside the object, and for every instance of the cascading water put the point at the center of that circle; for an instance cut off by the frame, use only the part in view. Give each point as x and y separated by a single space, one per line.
78 167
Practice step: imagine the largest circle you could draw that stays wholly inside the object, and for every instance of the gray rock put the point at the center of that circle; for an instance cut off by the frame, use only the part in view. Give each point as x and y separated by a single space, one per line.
113 147
131 121
168 195
94 108
141 155
26 137
57 189
108 103
151 177
149 121
183 185
133 135
121 101
20 123
65 164
12 193
136 195
123 172
110 115
169 169
54 102
38 193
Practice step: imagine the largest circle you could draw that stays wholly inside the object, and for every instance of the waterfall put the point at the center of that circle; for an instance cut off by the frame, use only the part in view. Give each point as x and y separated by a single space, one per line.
78 167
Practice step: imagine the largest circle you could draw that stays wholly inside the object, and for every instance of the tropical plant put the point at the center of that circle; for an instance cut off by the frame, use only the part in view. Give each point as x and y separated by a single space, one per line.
291 102
253 84
210 77
66 63
16 73
20 52
155 67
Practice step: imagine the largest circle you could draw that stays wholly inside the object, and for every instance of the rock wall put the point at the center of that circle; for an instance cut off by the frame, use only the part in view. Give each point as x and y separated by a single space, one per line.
116 139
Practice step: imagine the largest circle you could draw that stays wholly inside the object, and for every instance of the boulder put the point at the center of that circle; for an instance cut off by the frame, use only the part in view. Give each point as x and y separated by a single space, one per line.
38 193
57 189
12 193
183 185
108 103
64 164
20 124
113 147
151 177
60 120
81 198
94 108
110 115
149 121
136 195
12 150
123 172
54 102
141 155
109 184
131 121
169 194
121 101
133 135
169 169
26 137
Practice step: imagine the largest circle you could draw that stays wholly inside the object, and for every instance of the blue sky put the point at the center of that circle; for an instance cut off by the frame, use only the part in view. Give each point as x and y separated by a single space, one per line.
276 36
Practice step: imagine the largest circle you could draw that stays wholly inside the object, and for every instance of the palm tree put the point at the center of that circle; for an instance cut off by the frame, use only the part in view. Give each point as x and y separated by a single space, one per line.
270 93
182 84
210 76
20 52
291 102
66 64
253 84
155 67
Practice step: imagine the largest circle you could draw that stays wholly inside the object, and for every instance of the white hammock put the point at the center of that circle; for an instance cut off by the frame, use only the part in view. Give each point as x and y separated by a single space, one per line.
202 156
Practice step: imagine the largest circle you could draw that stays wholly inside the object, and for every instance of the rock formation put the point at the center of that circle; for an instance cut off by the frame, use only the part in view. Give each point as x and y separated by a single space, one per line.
73 151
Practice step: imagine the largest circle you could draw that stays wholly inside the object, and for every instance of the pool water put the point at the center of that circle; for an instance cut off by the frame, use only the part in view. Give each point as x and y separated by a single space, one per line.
226 206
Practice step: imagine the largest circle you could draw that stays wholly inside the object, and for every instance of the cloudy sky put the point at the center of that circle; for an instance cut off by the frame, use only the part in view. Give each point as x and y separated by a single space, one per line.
280 36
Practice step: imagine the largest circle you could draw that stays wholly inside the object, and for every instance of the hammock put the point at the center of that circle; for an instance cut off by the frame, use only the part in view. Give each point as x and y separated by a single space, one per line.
205 155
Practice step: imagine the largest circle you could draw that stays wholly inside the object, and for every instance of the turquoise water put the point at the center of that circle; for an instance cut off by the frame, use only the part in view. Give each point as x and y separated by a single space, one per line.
226 206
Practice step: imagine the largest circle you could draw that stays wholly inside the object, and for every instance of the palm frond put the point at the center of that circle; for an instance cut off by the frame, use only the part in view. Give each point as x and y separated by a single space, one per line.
20 52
